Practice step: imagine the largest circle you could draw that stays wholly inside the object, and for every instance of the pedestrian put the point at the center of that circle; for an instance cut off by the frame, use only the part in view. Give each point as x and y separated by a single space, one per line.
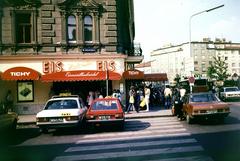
178 102
131 94
167 96
90 98
147 93
182 92
137 101
115 94
9 101
119 95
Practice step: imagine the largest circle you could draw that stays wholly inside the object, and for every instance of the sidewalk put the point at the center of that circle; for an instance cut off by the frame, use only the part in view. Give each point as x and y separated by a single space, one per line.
31 119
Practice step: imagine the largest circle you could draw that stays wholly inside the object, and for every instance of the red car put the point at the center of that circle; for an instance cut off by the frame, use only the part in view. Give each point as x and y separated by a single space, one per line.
106 111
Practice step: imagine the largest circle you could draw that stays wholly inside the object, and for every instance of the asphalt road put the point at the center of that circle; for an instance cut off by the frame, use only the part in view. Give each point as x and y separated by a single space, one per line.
152 139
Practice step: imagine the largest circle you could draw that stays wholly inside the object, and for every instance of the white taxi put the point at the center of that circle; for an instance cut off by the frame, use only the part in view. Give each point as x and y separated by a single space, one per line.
61 111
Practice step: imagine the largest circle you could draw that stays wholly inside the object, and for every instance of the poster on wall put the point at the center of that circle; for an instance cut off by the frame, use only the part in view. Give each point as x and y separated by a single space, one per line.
25 91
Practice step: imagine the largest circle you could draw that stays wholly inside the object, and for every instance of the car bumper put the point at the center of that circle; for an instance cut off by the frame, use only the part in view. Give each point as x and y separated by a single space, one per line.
105 121
58 124
211 115
232 98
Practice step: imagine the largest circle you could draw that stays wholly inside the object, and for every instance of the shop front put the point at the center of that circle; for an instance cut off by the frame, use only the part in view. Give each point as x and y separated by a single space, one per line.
133 78
33 81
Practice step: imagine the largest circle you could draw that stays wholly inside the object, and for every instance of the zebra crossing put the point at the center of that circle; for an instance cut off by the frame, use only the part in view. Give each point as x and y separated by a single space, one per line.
156 139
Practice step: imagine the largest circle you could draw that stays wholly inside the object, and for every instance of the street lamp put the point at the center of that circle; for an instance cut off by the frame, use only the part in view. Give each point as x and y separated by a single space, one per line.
190 20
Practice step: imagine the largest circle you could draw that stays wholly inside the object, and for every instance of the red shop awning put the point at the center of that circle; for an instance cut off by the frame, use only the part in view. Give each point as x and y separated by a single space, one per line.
155 77
20 73
133 74
80 75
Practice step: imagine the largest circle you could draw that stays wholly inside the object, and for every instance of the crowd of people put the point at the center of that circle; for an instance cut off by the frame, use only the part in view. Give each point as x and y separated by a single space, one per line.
142 97
160 97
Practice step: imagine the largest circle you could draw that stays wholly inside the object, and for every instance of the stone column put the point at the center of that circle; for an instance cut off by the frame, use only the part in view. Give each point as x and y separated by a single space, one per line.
64 27
95 28
79 28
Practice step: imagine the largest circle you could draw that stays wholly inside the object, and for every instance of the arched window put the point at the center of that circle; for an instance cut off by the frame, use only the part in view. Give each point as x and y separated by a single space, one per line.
88 27
71 27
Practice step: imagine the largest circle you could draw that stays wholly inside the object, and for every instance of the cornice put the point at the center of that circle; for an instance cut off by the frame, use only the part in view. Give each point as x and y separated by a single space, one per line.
72 56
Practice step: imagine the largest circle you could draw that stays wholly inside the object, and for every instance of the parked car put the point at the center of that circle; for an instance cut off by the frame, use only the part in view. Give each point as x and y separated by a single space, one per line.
106 111
227 93
61 111
8 120
205 105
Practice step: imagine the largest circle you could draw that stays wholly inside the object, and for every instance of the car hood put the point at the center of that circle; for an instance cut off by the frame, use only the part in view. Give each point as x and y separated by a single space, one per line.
233 92
58 113
209 105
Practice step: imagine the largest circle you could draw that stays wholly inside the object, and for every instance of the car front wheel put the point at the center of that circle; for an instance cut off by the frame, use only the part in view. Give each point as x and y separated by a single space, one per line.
189 119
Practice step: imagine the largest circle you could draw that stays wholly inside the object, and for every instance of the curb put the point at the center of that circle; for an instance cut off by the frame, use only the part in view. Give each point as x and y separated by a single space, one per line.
127 117
154 116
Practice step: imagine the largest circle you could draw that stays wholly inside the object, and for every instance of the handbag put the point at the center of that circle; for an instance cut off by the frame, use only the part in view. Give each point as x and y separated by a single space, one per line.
143 103
131 100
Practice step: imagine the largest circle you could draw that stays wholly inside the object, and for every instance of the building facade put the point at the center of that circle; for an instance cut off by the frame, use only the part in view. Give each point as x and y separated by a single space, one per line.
55 46
177 59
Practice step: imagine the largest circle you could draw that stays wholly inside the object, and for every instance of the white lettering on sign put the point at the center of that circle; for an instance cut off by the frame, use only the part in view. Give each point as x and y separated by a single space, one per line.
105 65
52 66
133 72
20 74
82 74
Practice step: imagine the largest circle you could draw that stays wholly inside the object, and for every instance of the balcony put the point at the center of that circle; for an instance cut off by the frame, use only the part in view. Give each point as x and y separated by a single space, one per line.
135 55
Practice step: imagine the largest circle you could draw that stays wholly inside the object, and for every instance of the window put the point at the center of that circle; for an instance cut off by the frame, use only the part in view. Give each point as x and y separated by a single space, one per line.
71 29
195 62
233 64
23 28
88 28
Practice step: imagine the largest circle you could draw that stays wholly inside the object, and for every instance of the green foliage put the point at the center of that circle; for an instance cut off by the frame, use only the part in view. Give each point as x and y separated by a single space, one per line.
218 70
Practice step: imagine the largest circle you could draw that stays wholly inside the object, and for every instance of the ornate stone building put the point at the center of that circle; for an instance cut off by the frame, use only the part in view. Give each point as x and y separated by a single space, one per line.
51 46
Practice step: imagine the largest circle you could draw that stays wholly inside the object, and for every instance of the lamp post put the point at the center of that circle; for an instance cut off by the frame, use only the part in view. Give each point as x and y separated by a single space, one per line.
190 20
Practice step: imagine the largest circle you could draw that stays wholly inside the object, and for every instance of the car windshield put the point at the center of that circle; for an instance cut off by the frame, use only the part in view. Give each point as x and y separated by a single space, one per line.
203 98
105 105
231 89
61 104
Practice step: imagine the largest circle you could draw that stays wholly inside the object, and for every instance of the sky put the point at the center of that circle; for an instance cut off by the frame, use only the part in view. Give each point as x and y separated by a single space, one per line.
161 22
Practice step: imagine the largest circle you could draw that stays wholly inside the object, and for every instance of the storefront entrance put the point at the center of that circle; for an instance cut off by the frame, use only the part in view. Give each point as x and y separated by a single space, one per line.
81 88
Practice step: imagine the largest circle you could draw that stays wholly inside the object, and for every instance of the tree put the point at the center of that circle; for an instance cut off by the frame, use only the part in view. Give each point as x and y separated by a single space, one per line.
218 70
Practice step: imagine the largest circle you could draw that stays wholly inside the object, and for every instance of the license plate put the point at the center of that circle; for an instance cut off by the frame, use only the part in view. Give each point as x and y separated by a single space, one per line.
104 117
56 120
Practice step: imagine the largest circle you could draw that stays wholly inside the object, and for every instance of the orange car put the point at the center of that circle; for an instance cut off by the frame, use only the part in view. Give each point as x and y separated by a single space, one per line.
106 111
204 105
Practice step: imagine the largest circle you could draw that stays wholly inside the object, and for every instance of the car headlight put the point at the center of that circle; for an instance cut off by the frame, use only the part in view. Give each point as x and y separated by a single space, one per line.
71 118
42 119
